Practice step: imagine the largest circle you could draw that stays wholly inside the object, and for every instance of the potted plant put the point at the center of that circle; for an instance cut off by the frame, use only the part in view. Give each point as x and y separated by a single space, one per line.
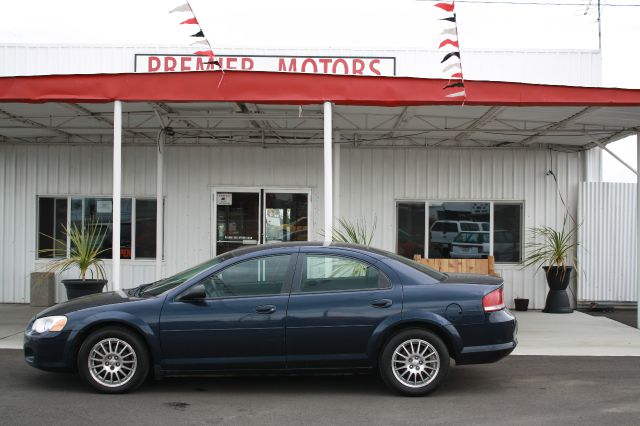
521 304
85 248
553 250
353 233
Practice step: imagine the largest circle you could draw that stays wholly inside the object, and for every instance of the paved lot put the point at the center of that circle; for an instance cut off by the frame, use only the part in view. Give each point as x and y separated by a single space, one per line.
518 390
628 316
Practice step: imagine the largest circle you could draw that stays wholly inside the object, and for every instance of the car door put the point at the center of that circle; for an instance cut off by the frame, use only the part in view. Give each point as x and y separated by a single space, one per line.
240 324
337 301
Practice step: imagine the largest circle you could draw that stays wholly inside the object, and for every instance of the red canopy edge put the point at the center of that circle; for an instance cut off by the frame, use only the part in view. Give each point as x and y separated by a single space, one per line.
289 88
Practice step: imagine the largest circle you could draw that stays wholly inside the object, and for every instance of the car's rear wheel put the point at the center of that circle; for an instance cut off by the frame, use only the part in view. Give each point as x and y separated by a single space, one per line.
414 362
113 360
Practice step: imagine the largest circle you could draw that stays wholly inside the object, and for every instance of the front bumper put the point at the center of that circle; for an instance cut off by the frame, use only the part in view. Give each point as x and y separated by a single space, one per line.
47 351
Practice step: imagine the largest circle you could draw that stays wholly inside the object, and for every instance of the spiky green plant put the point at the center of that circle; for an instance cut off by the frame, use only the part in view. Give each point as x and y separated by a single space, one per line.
85 248
551 247
354 233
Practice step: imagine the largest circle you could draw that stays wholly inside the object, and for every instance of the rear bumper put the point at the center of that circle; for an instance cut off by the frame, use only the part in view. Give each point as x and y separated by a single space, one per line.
490 341
485 354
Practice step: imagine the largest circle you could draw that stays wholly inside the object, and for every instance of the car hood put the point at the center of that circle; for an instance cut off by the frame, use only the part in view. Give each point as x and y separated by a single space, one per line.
453 278
85 302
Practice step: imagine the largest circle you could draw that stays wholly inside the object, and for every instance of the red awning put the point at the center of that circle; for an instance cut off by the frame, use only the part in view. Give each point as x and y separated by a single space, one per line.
288 88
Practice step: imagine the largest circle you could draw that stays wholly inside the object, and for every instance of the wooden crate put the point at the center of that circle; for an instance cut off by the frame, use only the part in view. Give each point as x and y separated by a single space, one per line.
466 266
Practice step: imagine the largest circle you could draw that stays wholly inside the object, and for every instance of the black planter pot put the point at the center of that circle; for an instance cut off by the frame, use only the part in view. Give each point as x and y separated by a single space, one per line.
79 288
558 280
521 304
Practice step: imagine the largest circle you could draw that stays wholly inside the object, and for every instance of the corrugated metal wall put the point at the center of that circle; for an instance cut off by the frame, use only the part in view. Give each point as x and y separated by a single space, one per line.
608 234
570 67
372 180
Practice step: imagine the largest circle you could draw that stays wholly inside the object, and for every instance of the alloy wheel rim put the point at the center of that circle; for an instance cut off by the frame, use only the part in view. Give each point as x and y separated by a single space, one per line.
112 362
415 363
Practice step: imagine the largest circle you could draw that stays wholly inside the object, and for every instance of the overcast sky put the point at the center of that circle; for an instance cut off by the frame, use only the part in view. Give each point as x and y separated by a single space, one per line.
373 24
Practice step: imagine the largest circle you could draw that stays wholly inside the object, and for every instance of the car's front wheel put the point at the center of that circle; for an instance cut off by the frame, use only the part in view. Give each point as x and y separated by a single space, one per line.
414 362
113 360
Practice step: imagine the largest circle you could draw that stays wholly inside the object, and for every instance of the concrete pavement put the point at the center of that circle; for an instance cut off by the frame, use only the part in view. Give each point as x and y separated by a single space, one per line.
575 334
13 319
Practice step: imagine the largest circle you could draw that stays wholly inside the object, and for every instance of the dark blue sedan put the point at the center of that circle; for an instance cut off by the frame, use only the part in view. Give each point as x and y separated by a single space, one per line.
281 308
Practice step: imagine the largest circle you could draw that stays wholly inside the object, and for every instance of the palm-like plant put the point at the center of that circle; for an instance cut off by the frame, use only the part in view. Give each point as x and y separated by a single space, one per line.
551 247
354 233
85 248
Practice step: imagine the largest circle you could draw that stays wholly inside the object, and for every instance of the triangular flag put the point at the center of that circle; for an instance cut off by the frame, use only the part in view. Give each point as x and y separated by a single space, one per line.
203 42
451 19
451 31
198 34
448 42
449 56
452 66
190 21
457 94
447 7
184 8
456 75
204 53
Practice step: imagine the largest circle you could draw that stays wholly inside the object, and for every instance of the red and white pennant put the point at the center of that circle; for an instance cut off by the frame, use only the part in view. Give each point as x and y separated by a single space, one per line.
452 60
201 39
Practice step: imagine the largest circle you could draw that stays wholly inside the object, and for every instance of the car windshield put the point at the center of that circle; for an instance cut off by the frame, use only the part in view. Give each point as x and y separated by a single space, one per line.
167 284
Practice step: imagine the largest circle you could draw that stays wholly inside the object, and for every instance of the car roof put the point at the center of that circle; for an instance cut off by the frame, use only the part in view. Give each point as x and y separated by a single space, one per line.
307 244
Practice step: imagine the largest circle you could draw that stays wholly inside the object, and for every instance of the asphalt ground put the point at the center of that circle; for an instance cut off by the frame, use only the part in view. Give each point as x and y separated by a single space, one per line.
520 390
625 316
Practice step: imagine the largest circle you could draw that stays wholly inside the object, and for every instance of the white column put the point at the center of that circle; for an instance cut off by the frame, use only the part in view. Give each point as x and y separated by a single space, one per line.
638 226
328 173
336 177
117 192
159 207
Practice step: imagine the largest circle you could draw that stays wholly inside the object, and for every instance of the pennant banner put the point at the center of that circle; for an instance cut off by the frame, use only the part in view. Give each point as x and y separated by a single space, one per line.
200 34
451 42
184 8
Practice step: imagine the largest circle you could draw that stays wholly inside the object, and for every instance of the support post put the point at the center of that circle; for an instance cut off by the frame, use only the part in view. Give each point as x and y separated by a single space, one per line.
328 172
336 177
117 193
159 207
638 229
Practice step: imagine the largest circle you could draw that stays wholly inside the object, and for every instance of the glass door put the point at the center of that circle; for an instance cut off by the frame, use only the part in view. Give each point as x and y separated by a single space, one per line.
237 219
286 216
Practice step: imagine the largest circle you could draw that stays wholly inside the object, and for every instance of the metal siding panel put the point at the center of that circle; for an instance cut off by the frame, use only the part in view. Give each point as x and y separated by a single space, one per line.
608 242
573 67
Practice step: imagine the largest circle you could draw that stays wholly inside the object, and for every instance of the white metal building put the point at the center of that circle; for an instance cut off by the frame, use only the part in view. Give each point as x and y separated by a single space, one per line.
404 168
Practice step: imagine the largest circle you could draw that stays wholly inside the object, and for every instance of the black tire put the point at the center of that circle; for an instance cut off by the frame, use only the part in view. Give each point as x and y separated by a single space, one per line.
430 381
136 361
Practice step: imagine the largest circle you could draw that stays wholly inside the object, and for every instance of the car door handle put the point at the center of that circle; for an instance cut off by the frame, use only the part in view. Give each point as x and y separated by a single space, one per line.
265 309
381 303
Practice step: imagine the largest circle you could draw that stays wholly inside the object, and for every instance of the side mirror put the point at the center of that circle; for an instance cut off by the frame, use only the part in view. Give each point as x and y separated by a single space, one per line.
195 293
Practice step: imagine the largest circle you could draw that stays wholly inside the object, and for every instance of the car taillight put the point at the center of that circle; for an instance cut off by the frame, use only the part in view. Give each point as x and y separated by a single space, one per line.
493 301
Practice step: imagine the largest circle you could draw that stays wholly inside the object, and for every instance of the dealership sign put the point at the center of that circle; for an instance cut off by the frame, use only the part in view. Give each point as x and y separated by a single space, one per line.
344 65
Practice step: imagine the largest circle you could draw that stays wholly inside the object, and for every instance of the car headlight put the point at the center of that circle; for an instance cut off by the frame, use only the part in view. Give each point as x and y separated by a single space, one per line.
43 324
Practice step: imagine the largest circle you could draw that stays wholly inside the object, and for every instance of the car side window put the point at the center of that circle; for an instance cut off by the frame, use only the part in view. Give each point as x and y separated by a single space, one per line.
327 273
262 276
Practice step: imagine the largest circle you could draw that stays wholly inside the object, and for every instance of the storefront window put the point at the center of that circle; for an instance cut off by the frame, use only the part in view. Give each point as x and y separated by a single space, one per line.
411 222
146 229
99 210
52 219
507 232
460 230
